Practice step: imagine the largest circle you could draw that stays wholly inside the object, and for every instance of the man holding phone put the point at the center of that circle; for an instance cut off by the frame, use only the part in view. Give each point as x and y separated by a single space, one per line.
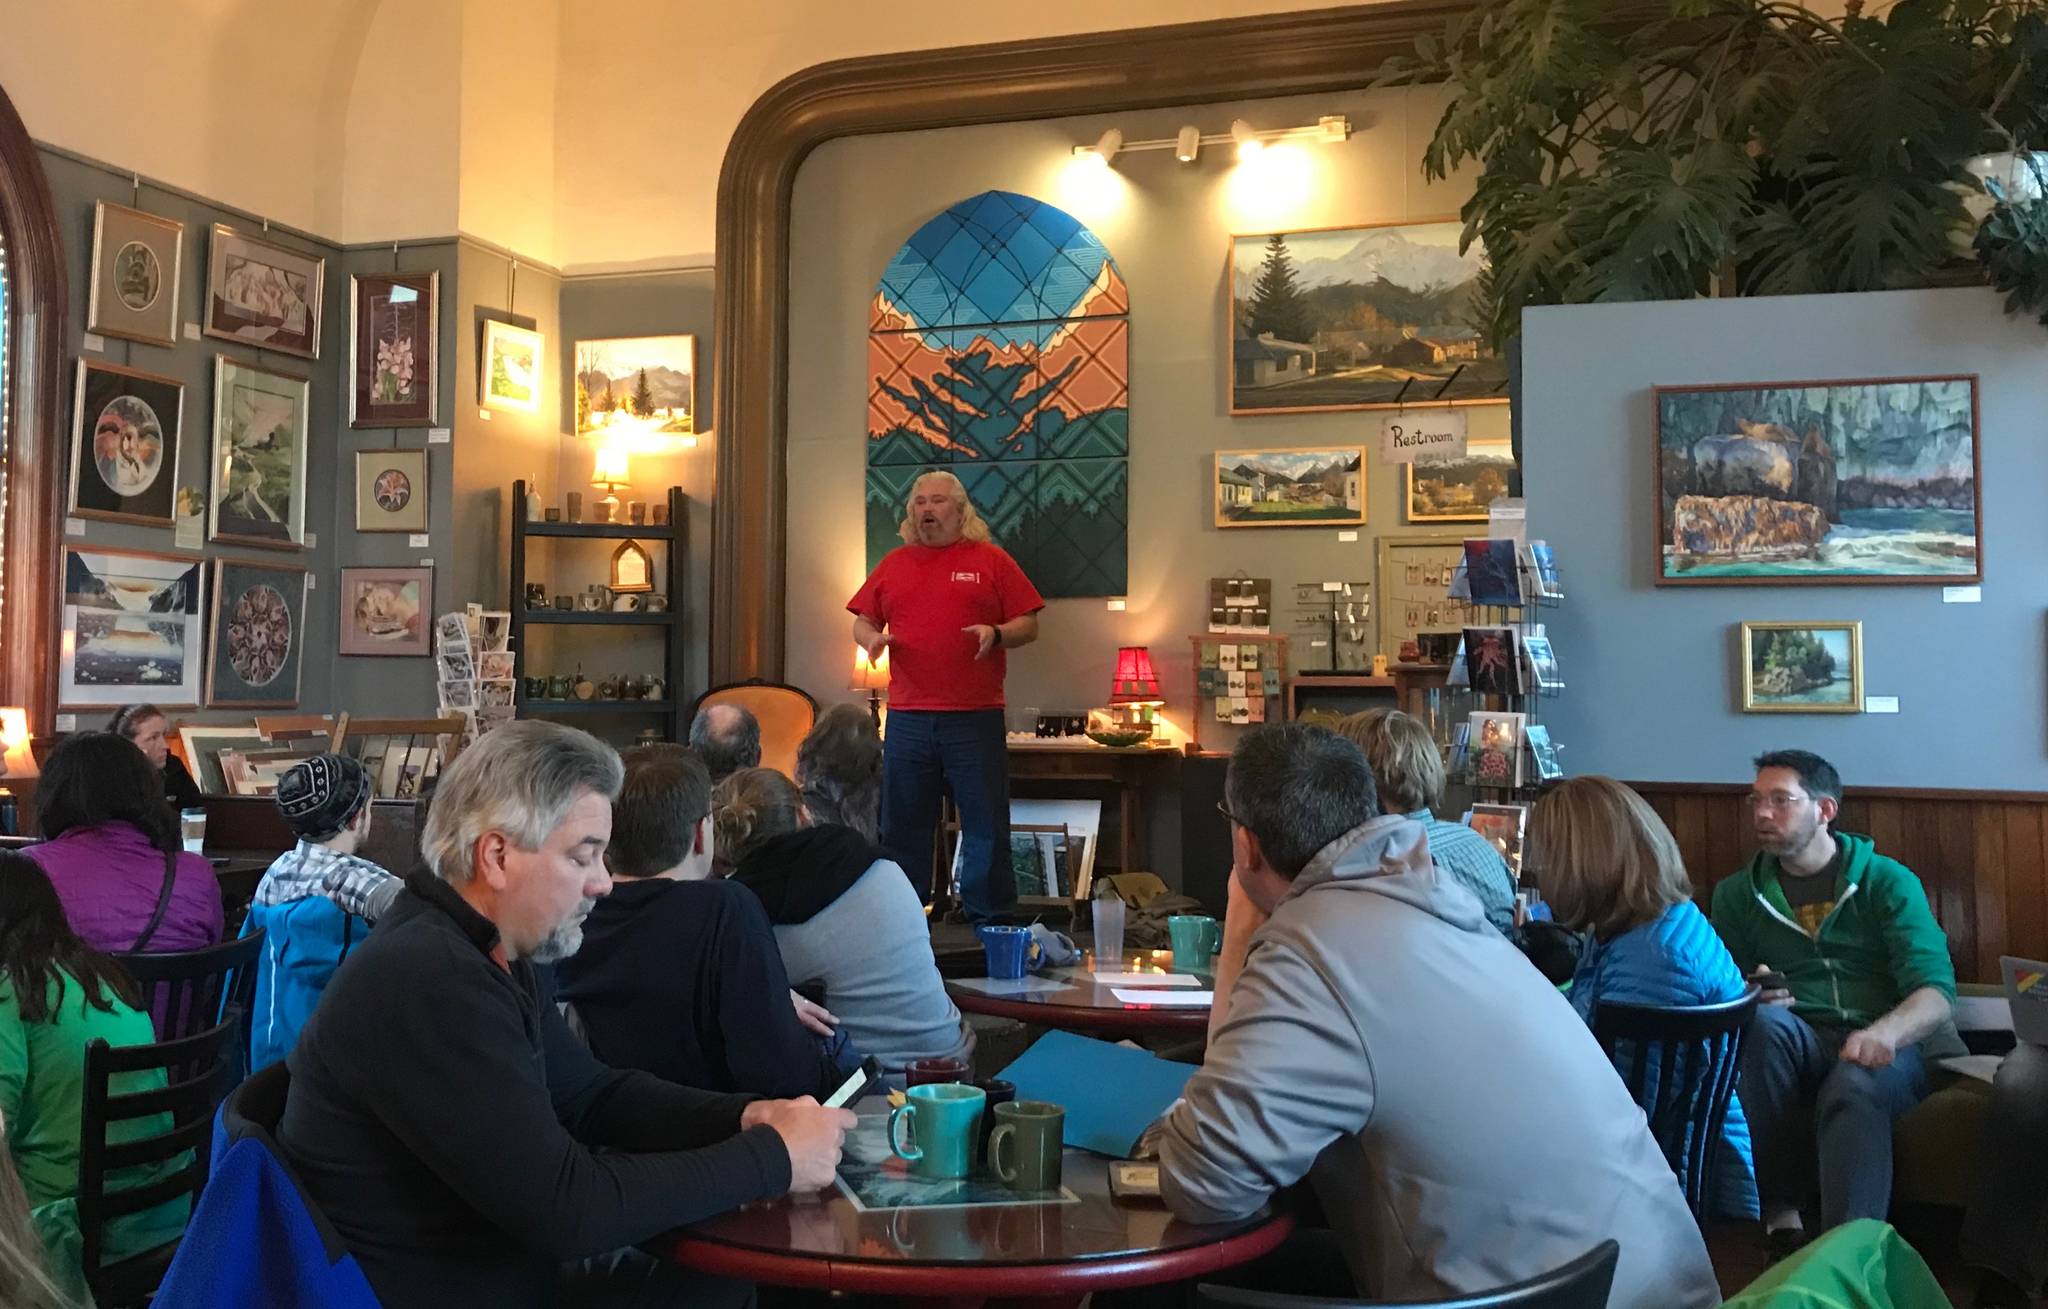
1857 994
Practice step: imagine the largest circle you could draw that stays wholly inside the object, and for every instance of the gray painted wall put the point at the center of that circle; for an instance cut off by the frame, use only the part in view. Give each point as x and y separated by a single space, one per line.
1168 226
1653 690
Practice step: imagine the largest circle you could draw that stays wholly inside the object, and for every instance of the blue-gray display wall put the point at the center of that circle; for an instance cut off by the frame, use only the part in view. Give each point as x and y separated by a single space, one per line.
1653 687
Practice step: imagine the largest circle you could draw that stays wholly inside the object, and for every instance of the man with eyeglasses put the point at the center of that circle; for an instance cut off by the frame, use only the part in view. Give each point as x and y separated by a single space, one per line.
1858 990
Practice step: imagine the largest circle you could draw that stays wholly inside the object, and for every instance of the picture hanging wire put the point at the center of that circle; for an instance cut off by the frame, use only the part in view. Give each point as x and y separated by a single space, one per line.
1448 380
1403 391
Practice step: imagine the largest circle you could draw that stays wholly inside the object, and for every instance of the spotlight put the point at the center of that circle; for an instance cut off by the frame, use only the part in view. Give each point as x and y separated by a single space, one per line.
1248 143
1108 144
1188 145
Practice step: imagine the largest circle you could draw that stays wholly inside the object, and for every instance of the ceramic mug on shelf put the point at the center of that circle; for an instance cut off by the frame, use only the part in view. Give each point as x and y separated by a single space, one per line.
560 688
656 604
628 604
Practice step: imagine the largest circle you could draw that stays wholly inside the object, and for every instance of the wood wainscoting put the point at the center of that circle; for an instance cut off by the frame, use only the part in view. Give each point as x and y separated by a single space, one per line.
1983 855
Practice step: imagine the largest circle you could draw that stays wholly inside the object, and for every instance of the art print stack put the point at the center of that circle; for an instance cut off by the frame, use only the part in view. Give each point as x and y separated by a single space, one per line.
1507 666
473 666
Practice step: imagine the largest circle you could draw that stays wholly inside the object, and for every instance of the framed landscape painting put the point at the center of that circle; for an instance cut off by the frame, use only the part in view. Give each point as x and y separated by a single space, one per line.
135 263
1306 487
258 635
391 490
1802 668
1818 483
259 456
130 629
636 386
1359 318
386 611
263 294
508 375
1458 490
393 348
124 444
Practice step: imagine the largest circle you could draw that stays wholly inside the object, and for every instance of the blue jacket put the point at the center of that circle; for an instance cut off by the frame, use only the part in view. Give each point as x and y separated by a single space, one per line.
1677 960
305 941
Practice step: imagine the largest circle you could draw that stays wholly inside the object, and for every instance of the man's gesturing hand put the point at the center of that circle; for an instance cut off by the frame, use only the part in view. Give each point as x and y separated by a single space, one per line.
984 638
813 1135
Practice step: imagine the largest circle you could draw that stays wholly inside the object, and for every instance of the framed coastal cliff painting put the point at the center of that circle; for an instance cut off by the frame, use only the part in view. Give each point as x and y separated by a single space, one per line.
131 629
1802 668
259 456
1819 483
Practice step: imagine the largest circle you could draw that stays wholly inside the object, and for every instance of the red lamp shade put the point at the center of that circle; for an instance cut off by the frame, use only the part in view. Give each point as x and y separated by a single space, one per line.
1135 681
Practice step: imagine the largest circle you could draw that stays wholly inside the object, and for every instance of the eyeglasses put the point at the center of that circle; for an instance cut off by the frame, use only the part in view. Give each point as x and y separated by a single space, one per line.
1224 809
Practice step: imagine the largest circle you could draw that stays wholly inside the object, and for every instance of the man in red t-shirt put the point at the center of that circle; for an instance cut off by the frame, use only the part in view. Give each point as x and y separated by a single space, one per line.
946 605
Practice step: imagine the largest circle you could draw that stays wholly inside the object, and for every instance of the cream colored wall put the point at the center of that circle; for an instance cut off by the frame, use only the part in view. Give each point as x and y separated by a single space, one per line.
651 91
1168 227
509 123
400 169
241 101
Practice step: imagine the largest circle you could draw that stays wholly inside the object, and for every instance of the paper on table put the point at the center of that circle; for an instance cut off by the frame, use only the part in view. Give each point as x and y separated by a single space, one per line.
1111 1093
1983 1067
1177 999
1147 979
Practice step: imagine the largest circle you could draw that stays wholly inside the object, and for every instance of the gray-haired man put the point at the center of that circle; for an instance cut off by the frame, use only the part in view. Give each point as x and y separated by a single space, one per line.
1370 1025
468 1150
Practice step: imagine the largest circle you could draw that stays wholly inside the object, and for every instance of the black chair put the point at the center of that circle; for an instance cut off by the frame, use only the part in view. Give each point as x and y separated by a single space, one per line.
187 992
1581 1284
1696 1055
199 1070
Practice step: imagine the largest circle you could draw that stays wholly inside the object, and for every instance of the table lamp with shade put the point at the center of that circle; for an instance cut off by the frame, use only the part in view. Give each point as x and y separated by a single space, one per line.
17 765
610 473
871 676
1135 688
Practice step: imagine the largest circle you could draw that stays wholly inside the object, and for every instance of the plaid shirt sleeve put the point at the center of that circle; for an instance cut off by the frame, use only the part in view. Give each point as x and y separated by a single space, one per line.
359 887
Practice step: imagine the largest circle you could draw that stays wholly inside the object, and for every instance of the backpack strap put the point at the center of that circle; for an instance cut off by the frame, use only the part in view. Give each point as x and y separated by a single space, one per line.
163 903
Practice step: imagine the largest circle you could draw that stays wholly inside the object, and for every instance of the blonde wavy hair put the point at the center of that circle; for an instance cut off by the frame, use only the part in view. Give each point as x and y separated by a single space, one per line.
748 808
972 526
1602 857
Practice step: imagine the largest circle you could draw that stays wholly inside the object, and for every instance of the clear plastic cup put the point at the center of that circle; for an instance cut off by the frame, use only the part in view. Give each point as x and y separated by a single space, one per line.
192 828
1109 933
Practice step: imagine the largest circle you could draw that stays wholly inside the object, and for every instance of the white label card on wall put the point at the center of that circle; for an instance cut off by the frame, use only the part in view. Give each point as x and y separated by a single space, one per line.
484 414
94 342
1880 704
417 541
1410 434
190 532
312 541
74 527
1347 536
438 436
312 581
426 563
1962 595
67 722
191 331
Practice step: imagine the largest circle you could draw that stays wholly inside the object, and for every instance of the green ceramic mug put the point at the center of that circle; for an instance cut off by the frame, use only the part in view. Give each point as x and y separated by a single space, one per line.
1026 1148
1195 938
944 1119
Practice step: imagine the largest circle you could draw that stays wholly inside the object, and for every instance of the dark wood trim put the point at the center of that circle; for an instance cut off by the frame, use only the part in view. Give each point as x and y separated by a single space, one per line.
38 300
1190 63
1849 792
1082 1018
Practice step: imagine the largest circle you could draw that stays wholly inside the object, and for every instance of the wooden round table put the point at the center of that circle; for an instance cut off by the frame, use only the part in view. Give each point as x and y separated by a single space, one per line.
1071 999
1040 1253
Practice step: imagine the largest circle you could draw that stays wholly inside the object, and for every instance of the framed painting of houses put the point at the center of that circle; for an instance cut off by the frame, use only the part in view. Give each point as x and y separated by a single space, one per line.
1358 318
1458 489
1314 486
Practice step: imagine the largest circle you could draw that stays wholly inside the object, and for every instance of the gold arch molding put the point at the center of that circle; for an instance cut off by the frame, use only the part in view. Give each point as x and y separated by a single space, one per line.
1100 72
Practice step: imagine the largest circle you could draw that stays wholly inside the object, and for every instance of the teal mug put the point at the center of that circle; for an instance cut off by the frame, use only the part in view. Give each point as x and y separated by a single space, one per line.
944 1119
1196 937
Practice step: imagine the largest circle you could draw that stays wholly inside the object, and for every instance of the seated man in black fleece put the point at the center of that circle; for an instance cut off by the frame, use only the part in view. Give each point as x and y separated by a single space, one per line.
464 1144
680 976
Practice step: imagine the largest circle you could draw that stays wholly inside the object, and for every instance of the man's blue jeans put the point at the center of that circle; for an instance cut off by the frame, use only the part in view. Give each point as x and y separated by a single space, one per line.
1815 1118
929 753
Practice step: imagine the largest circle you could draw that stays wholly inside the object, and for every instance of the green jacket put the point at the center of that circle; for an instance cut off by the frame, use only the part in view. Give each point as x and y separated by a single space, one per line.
1879 945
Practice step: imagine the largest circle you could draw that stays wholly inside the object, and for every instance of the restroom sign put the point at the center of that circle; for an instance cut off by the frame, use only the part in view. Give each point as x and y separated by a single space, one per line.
1407 435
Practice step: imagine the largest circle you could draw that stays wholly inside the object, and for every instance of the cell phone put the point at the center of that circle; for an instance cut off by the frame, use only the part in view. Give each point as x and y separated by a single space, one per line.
1134 1180
1772 980
856 1086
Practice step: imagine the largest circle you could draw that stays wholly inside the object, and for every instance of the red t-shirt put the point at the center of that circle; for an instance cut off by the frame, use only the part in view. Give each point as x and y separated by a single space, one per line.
925 596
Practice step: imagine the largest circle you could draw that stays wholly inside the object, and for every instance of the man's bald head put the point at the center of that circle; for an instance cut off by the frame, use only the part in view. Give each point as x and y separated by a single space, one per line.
727 738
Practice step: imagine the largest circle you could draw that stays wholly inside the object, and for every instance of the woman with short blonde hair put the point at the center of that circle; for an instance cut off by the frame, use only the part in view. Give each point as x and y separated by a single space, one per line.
1607 866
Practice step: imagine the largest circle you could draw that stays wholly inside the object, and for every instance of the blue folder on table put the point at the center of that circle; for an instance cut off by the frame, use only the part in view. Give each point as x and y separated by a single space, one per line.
1111 1093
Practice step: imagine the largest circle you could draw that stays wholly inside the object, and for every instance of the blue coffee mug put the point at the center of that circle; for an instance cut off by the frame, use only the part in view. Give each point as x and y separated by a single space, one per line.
1011 951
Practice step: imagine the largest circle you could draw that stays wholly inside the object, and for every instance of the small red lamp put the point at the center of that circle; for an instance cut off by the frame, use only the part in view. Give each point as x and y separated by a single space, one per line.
871 676
1136 685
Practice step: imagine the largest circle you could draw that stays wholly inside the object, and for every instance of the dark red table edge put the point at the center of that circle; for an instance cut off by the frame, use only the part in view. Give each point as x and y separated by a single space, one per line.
1078 1017
893 1277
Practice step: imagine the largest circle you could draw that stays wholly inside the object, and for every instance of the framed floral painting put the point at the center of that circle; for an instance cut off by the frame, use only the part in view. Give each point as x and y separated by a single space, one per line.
394 344
258 635
391 490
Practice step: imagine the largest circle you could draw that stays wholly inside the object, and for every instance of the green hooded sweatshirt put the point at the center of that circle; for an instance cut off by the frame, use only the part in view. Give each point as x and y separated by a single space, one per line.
1878 945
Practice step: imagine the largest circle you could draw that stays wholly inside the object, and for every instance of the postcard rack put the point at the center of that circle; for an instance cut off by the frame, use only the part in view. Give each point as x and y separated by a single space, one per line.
1503 750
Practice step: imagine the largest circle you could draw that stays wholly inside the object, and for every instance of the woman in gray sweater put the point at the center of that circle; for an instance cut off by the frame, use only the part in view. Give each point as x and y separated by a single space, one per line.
845 915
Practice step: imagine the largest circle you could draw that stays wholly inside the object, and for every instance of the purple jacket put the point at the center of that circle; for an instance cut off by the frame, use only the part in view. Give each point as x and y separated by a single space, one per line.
108 878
